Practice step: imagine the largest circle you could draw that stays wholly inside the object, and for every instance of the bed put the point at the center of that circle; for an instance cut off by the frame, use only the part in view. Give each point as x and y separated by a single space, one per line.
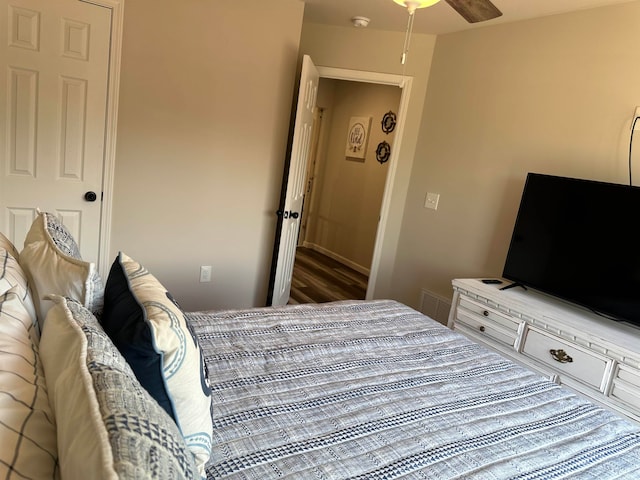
116 381
377 390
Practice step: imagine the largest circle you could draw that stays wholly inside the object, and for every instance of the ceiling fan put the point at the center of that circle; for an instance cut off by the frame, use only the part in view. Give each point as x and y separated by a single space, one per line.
472 11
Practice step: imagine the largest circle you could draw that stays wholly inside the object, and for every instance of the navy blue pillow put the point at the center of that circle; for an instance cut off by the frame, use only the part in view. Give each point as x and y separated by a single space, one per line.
152 333
124 321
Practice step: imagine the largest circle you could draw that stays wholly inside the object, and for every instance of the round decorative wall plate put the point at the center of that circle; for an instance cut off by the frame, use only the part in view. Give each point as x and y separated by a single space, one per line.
383 152
388 122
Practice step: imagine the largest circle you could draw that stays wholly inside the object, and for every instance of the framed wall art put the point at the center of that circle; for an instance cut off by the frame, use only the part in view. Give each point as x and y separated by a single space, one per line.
357 137
388 122
383 152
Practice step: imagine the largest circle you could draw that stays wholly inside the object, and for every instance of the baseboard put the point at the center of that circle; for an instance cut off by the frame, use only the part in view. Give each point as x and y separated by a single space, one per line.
435 306
338 258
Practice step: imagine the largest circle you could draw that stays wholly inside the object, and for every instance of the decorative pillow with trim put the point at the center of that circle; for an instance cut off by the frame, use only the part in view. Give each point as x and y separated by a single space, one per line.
28 447
150 330
108 425
51 260
12 275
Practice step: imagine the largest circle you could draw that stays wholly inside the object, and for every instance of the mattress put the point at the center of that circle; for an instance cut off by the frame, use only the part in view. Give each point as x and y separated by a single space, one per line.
374 389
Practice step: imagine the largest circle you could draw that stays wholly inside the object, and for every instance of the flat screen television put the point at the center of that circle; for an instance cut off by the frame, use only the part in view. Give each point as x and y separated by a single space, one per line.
579 240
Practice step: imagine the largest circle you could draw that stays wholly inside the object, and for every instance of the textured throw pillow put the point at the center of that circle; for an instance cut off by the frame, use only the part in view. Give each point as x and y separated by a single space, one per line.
150 330
12 275
108 425
27 429
52 262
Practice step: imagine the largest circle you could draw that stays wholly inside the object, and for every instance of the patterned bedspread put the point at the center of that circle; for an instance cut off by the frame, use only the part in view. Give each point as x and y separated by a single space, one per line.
377 390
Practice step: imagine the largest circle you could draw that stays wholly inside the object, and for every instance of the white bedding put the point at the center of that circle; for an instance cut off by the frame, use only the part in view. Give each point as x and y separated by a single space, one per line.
378 390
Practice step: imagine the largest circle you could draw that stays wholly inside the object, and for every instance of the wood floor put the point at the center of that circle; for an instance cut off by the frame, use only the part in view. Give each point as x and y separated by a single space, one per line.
318 278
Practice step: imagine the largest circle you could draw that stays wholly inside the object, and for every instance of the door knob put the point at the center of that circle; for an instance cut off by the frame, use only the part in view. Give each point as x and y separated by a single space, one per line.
287 214
90 196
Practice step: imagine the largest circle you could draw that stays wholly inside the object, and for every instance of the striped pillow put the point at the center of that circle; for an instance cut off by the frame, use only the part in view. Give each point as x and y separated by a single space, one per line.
12 275
7 245
27 429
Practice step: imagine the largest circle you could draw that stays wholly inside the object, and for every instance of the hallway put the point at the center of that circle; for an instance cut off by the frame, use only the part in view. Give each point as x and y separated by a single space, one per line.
318 278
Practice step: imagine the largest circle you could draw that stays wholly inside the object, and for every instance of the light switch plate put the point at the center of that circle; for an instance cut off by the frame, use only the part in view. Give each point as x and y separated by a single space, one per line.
432 201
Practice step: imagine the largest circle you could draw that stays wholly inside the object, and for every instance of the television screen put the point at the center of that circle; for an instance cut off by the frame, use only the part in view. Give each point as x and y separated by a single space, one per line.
579 240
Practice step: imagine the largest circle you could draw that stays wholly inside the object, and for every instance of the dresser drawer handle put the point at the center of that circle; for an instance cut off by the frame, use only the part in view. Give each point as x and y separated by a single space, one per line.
485 313
482 329
560 356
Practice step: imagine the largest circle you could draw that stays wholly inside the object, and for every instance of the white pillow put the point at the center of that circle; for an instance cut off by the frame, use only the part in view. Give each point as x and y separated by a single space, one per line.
7 245
108 425
27 428
12 275
52 262
150 330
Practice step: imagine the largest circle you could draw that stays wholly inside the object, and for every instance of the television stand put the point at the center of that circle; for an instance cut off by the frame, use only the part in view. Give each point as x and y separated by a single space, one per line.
594 356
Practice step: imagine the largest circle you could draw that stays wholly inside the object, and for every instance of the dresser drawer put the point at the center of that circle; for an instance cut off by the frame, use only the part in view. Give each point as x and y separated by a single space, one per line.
626 386
567 359
485 322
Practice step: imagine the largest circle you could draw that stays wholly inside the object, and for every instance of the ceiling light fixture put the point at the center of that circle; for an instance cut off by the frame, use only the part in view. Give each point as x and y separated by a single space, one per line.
412 6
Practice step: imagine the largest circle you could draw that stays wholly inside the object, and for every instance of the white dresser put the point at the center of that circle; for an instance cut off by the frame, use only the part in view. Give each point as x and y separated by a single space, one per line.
597 357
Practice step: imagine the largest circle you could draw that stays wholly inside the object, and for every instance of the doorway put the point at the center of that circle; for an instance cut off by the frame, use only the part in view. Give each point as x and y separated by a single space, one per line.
344 192
293 180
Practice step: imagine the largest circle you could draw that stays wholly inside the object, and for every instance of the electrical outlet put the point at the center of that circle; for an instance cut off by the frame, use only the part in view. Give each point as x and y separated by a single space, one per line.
431 201
205 273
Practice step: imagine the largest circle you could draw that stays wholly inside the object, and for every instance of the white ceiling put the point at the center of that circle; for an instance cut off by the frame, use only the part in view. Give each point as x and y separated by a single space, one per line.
440 18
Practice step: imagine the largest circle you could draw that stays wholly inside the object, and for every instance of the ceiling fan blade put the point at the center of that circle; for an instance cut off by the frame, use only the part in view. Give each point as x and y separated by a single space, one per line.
475 11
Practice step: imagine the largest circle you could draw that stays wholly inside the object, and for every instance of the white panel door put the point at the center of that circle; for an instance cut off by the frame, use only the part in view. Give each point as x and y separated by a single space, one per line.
54 57
295 189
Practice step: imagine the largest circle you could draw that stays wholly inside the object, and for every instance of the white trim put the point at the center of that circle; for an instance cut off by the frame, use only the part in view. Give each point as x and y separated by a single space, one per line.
361 76
405 84
111 126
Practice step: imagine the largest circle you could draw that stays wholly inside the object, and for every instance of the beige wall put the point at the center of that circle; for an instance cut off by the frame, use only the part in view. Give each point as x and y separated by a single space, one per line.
379 51
205 100
343 218
554 95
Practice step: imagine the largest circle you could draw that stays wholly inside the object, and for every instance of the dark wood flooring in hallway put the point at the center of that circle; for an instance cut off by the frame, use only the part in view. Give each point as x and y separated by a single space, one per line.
318 278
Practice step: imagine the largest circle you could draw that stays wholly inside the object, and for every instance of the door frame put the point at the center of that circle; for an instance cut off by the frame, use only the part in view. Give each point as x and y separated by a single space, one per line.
311 174
111 125
404 83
